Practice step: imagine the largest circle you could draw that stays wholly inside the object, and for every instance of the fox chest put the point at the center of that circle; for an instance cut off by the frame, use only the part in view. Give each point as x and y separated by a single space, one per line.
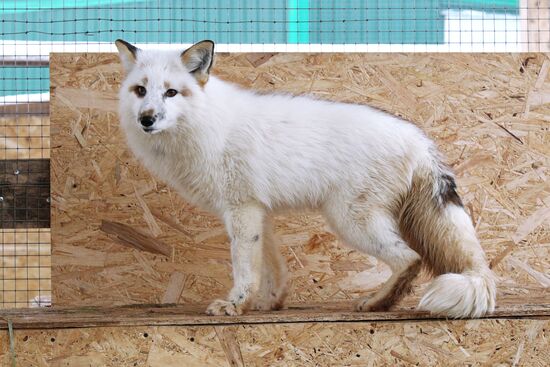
195 182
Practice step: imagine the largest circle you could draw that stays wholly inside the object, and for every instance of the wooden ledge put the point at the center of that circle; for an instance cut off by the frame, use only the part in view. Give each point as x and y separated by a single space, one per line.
193 315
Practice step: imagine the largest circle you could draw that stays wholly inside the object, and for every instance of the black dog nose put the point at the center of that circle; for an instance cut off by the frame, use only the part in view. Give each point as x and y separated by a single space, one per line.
147 120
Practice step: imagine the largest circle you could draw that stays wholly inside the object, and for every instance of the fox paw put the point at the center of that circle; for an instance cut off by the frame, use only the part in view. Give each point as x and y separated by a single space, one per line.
222 307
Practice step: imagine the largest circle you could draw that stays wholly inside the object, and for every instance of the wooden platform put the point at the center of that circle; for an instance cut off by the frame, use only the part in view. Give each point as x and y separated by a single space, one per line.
194 315
306 335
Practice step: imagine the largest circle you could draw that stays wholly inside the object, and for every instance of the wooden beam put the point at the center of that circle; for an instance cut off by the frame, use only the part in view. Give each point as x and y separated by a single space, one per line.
20 109
37 61
535 25
193 315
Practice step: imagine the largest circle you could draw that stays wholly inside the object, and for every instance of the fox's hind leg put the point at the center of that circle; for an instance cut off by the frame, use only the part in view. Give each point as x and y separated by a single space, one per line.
375 232
405 265
273 285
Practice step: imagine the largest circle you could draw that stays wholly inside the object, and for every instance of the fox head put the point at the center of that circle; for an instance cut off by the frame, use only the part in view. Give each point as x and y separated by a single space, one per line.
160 86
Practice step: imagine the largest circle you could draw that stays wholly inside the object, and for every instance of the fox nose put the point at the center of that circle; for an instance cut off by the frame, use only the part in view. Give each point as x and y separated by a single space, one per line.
147 120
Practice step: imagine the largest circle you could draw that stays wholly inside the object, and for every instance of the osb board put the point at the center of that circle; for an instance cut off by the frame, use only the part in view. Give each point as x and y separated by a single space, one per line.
488 113
24 136
426 343
25 267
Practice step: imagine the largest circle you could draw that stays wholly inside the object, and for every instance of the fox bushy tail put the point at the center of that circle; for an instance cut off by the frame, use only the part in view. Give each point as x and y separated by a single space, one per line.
435 224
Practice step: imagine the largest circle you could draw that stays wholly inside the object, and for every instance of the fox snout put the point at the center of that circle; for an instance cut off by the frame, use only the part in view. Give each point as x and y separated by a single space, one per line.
148 118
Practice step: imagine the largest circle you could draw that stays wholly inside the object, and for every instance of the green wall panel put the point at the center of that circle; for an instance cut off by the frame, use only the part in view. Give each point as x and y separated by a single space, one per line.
243 21
24 80
377 21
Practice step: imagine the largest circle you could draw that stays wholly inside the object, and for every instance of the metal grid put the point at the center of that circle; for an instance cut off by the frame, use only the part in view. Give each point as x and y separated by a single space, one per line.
31 29
25 260
26 267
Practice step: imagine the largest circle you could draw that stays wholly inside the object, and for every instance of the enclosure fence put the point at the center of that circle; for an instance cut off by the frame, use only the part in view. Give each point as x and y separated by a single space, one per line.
31 29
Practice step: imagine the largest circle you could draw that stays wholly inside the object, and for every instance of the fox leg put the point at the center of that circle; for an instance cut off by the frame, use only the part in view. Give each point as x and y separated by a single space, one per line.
405 265
273 285
375 232
245 227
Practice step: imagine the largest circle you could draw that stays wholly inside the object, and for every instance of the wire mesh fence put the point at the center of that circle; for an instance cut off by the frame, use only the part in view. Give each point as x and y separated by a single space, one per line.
31 29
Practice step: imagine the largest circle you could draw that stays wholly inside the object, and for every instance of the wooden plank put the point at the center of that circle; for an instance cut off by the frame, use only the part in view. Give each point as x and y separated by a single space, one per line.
188 315
25 109
6 60
535 25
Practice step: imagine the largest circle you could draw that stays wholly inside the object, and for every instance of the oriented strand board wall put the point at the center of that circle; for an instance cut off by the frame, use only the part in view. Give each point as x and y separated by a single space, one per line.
426 343
488 113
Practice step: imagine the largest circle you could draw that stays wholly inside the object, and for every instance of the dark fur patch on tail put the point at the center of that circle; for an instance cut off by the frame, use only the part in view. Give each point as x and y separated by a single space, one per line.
447 191
421 220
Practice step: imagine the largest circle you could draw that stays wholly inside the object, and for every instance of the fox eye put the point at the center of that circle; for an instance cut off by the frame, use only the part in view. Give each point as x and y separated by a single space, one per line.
141 91
171 93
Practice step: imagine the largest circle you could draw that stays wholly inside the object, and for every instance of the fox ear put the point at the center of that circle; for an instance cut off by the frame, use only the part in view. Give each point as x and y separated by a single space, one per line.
198 60
127 53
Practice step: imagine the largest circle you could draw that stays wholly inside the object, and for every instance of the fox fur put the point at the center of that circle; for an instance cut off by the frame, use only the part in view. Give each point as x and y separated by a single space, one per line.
378 180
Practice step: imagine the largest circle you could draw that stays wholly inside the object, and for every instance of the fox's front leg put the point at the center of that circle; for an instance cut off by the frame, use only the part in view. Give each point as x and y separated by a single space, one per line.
245 227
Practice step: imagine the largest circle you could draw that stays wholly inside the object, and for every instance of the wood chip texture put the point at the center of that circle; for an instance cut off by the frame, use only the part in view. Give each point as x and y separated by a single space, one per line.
488 113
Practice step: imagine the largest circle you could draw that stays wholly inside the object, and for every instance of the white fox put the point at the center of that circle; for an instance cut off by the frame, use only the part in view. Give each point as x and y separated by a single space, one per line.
377 179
